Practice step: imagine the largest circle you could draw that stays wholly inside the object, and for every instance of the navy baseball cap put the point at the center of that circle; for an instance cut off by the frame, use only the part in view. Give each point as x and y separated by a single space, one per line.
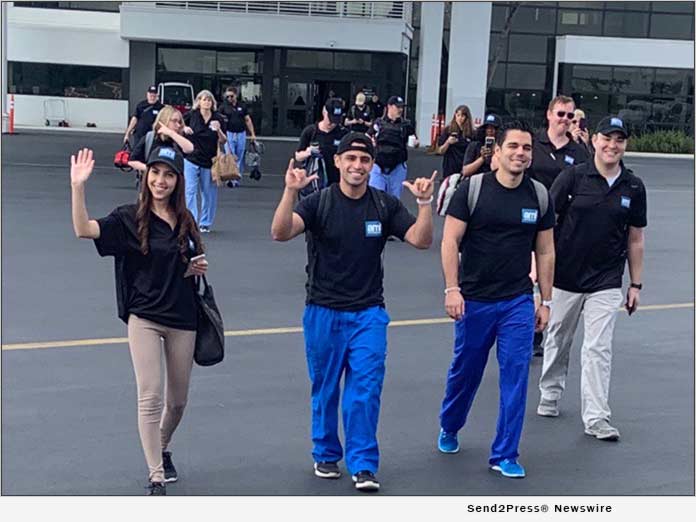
356 141
335 108
492 119
169 156
152 88
396 100
612 124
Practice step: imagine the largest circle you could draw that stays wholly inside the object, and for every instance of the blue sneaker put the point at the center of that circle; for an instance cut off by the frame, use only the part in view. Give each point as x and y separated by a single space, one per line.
509 468
447 442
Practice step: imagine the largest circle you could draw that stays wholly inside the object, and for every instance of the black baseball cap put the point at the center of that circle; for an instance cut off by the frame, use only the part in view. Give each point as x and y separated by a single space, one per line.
334 106
396 100
356 141
492 119
169 156
612 124
152 88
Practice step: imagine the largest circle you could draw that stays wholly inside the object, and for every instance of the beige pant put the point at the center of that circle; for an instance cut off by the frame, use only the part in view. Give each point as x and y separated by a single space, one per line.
145 340
600 310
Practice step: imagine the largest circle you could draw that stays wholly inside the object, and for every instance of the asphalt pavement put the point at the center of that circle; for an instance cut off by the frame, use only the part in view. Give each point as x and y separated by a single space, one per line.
69 413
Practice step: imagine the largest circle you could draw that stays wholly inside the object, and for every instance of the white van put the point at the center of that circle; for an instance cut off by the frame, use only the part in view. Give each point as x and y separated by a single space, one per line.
178 95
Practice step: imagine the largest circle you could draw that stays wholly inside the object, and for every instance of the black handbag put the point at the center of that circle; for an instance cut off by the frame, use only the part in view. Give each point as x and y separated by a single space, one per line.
210 333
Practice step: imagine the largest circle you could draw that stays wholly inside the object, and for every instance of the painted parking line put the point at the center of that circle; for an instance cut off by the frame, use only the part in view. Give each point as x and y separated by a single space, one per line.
272 331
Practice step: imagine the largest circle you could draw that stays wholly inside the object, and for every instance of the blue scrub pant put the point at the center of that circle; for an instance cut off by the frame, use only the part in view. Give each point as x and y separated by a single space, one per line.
236 144
389 181
354 344
511 322
195 176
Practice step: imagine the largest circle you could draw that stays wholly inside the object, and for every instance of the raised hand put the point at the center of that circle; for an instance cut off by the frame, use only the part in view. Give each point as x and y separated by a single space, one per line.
163 130
422 188
297 179
81 167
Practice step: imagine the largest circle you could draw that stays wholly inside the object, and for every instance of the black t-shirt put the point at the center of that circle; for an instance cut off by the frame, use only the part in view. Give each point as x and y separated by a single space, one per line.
348 269
453 159
360 113
548 161
234 115
592 231
205 140
146 114
473 151
153 286
328 146
500 237
138 153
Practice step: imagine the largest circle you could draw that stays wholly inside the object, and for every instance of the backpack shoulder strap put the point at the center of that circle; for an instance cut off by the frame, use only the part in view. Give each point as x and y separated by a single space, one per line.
380 204
542 196
325 200
149 140
474 192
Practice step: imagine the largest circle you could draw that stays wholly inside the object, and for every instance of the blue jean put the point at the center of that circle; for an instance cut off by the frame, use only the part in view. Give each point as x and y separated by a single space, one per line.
236 144
196 175
389 181
511 322
354 343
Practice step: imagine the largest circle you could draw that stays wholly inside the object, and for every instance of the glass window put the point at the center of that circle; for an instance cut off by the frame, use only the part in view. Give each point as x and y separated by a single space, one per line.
238 63
635 80
527 106
353 61
590 78
534 20
673 7
309 59
78 81
628 24
631 6
671 81
528 48
498 80
493 44
186 60
583 5
579 22
670 26
82 6
522 76
498 17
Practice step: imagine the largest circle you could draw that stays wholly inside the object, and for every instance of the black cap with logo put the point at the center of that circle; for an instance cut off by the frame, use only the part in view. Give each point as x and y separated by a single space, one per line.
356 141
492 119
335 108
152 89
169 156
612 124
396 100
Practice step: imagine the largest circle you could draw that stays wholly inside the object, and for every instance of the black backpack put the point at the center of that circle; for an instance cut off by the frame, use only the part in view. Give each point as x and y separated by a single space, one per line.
391 143
314 165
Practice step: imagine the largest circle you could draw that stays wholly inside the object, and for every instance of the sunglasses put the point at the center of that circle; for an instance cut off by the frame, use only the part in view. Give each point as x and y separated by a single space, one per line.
561 114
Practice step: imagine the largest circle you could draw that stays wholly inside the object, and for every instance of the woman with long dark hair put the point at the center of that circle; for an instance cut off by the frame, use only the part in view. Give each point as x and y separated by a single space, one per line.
153 243
454 140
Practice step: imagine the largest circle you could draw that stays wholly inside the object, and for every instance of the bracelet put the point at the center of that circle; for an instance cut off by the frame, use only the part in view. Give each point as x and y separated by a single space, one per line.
423 202
452 289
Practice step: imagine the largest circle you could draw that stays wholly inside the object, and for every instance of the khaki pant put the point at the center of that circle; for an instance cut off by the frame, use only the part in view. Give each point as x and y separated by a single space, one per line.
146 342
600 310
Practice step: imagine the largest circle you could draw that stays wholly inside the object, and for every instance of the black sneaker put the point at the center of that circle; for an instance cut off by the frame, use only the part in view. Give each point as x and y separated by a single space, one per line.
170 474
366 481
157 489
327 470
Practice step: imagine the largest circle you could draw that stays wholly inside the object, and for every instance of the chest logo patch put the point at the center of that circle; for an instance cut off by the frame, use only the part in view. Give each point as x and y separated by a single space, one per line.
337 143
529 215
373 229
625 202
569 160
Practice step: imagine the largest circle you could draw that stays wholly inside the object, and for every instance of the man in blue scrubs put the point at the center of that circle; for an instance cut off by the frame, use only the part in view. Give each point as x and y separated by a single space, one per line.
345 322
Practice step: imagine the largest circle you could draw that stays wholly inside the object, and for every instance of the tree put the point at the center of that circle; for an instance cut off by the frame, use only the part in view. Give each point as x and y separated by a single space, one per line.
512 11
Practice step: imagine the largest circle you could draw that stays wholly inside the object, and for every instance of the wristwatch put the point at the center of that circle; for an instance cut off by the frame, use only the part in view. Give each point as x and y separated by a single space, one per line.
547 303
637 286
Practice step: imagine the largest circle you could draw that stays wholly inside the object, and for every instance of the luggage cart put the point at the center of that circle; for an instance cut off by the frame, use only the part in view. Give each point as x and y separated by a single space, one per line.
56 113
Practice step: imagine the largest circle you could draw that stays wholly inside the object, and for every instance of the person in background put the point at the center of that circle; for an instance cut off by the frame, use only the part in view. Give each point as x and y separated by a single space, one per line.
376 106
477 158
144 116
238 122
206 127
454 140
360 116
578 129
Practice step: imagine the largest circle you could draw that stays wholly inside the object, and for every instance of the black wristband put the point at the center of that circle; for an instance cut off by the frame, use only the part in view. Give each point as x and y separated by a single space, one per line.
638 286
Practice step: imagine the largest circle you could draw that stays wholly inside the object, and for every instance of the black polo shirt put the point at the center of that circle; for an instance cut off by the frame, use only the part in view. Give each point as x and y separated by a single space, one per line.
348 272
146 114
139 152
548 161
328 146
592 231
360 113
453 159
473 151
496 250
204 139
235 116
150 286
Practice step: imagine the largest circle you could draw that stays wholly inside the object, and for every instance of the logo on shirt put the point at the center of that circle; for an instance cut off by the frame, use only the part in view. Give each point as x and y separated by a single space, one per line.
625 202
239 109
569 160
373 229
529 215
337 143
154 112
167 153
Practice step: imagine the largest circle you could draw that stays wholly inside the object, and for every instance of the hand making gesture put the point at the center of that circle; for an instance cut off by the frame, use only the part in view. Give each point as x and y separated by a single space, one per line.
82 167
297 179
422 188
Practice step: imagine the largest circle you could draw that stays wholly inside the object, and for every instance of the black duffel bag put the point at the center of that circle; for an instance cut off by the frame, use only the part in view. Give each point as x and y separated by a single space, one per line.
210 333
